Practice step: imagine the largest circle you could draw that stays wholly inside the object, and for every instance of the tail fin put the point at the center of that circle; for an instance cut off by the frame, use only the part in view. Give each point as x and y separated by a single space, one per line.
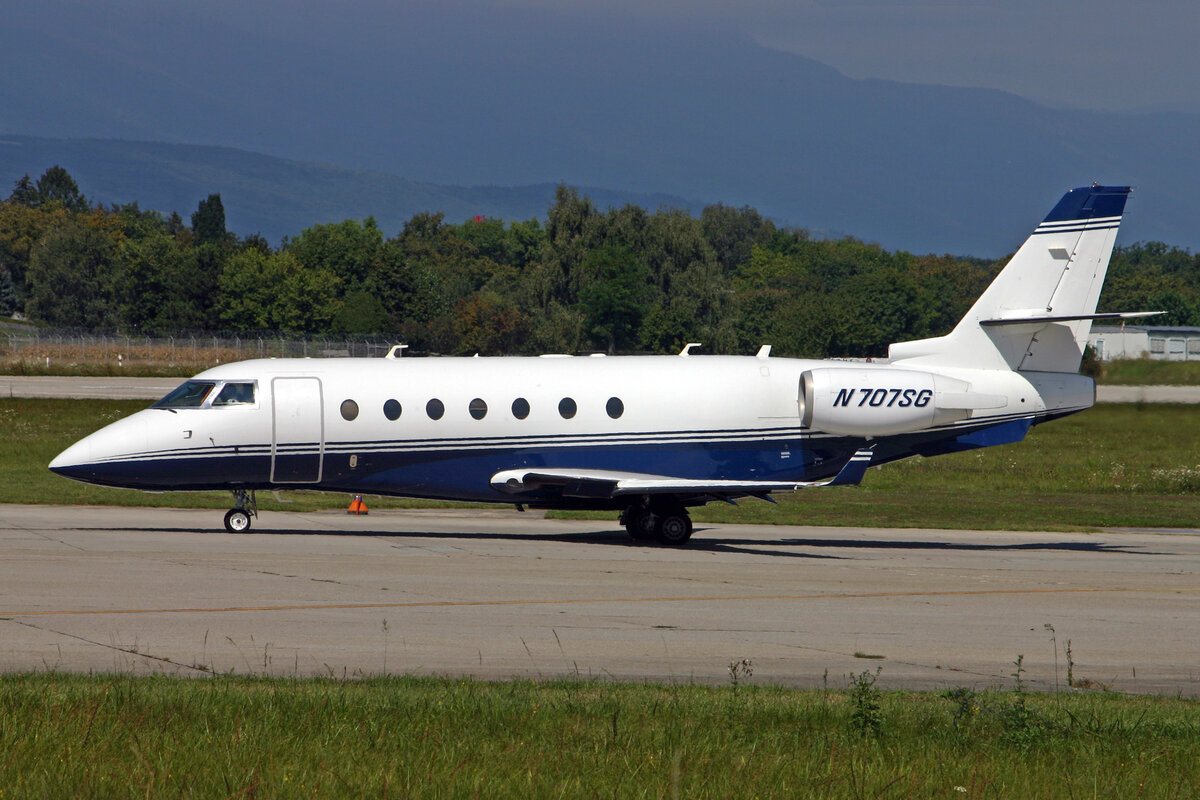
1037 313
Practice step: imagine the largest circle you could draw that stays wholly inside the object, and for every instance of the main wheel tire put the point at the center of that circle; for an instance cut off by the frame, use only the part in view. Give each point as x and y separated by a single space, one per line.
674 528
639 522
237 521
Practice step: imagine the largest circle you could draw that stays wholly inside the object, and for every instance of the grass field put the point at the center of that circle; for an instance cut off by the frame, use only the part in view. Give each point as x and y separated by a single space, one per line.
117 736
1145 372
1114 465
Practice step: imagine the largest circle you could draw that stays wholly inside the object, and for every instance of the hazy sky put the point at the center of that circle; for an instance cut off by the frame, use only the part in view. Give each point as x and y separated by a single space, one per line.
1101 54
1095 54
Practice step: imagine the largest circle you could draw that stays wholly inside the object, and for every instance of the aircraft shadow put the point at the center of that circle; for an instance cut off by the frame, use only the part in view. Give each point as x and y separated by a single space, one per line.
619 538
875 544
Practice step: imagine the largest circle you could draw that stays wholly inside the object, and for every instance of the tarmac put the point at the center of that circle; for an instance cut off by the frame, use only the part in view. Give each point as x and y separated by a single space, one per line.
499 594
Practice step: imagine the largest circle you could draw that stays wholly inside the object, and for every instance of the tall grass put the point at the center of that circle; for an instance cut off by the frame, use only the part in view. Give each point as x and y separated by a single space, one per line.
117 736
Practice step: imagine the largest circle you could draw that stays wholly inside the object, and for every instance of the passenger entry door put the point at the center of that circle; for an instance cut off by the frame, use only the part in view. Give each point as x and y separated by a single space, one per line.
297 430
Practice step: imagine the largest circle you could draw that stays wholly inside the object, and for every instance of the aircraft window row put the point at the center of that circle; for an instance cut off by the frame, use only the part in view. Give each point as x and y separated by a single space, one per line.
478 408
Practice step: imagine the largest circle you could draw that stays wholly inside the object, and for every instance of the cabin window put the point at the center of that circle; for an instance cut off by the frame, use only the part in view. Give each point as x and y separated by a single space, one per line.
520 408
478 408
567 408
435 409
349 410
189 395
615 407
235 394
391 410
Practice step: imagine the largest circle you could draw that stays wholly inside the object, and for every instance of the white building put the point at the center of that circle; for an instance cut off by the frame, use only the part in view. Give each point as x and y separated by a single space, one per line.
1160 342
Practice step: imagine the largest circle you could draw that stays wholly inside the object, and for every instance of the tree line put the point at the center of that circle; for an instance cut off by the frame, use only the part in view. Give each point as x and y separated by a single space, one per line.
620 280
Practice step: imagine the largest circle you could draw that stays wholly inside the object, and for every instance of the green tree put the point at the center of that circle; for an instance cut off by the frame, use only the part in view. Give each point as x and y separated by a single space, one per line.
274 292
490 324
9 301
208 221
55 187
21 228
349 249
571 230
25 193
614 295
158 292
764 287
525 243
361 312
71 278
733 232
877 308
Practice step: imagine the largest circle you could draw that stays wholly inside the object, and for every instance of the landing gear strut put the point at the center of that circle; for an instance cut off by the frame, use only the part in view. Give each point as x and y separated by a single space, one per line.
245 506
662 519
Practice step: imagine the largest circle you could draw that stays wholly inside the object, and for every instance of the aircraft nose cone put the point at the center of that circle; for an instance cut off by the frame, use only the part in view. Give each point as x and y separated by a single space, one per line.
95 458
74 462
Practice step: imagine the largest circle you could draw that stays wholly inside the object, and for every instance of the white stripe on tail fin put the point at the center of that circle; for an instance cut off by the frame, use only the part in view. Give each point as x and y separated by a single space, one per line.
1037 313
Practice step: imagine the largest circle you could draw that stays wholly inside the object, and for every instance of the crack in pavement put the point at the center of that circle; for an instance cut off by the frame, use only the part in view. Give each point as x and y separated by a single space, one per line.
114 647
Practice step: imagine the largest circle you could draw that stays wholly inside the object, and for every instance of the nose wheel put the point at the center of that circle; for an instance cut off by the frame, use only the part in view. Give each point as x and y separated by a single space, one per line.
237 519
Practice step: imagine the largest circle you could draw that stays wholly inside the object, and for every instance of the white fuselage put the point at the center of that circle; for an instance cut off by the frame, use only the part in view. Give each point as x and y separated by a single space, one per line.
441 427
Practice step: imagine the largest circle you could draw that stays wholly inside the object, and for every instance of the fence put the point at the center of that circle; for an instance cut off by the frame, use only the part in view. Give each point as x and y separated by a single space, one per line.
45 347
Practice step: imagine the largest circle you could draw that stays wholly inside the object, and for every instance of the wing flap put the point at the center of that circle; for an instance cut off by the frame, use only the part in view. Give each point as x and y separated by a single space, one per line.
607 484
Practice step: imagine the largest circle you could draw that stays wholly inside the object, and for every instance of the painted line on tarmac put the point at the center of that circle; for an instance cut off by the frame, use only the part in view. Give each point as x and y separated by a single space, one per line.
587 600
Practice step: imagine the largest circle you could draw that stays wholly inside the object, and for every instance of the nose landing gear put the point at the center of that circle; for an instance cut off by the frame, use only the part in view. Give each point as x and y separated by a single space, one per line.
237 519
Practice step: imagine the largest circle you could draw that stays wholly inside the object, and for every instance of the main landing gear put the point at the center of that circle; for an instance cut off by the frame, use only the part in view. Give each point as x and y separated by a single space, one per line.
245 506
662 519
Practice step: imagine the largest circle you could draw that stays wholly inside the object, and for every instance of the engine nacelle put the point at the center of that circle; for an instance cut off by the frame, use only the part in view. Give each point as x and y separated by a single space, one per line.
877 401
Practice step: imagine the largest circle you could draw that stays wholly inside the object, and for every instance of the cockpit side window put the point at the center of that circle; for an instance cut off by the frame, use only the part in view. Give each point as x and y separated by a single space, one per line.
189 395
235 394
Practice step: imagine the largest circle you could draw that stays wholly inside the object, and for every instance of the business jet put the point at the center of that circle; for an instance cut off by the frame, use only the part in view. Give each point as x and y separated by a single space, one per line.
646 436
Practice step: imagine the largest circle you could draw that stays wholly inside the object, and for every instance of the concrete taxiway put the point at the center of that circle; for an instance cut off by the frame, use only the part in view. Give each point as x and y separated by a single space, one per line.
498 594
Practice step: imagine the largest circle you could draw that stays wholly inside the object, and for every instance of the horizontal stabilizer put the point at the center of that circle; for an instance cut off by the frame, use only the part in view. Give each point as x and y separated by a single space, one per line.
1050 318
608 484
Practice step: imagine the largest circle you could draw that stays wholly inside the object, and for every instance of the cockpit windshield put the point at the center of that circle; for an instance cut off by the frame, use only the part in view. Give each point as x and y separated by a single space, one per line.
189 395
200 394
235 394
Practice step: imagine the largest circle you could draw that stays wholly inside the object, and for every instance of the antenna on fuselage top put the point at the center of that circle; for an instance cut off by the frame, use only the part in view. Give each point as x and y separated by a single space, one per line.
687 348
396 351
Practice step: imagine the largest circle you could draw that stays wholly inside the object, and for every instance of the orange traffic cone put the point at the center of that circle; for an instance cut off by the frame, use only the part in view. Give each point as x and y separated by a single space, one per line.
357 506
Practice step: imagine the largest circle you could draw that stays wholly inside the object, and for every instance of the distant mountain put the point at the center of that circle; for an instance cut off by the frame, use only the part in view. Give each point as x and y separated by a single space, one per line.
458 93
273 196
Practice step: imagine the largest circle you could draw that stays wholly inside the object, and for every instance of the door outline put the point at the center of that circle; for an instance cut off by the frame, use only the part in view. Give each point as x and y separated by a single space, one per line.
304 398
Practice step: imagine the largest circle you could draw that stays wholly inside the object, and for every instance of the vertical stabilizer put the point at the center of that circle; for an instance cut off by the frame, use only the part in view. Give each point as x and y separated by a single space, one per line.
1036 314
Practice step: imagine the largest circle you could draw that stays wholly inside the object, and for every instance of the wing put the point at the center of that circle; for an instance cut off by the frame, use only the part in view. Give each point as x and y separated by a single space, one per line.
607 484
